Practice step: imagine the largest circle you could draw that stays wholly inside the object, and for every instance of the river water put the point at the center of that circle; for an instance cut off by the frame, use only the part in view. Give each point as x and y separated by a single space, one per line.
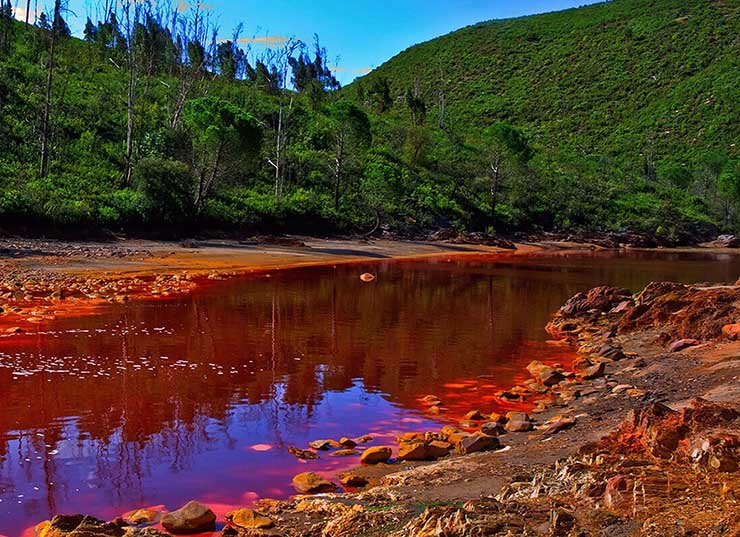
159 402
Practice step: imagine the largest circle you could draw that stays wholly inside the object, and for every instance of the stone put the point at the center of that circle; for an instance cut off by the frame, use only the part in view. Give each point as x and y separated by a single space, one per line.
518 422
682 344
142 516
193 517
611 352
561 522
412 451
364 439
477 442
312 483
593 372
438 448
453 434
344 453
347 442
248 519
145 532
81 525
353 480
544 373
558 424
731 331
411 437
473 415
376 455
320 445
423 451
304 454
493 428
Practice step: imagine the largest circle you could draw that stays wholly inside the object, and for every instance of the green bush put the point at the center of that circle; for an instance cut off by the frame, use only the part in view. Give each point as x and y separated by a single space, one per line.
168 186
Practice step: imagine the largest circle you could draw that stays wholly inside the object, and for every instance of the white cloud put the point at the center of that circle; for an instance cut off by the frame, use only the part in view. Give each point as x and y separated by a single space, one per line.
20 14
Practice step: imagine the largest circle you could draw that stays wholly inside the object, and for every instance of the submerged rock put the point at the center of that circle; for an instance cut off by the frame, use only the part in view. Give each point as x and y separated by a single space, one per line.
193 517
304 454
79 526
345 453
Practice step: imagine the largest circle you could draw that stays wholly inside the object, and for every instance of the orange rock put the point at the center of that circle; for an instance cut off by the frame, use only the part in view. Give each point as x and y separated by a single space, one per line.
731 331
247 519
375 455
311 483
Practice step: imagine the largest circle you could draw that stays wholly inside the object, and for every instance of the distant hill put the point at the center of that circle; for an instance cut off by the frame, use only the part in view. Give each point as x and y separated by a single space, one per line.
627 79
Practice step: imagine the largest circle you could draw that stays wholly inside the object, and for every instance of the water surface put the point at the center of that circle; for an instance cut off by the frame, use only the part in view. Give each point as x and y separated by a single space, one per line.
199 397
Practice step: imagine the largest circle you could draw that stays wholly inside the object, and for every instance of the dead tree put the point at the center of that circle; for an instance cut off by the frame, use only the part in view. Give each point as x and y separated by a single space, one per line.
46 118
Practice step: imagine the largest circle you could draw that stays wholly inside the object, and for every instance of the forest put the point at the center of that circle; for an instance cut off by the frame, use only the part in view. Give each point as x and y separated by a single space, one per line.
621 116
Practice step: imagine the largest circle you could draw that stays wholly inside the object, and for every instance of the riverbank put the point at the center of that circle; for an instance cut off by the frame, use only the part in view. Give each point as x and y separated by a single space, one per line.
523 485
43 280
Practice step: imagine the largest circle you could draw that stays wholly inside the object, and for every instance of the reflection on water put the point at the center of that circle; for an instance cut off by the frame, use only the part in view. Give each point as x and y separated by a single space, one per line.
199 397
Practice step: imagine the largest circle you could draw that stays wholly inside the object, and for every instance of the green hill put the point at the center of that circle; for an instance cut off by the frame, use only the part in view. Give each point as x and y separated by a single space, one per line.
647 88
621 115
618 79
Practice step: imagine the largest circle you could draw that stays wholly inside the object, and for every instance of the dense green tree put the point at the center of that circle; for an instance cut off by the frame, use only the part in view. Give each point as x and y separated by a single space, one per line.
352 136
225 138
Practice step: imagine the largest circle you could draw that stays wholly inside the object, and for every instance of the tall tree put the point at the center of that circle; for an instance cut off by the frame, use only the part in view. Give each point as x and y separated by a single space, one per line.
225 139
132 14
506 150
46 118
352 136
282 62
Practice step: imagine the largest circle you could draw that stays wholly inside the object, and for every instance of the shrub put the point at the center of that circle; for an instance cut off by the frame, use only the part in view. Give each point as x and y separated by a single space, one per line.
168 186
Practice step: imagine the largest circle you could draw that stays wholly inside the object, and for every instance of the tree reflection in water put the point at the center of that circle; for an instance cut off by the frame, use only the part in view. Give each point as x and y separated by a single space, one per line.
161 402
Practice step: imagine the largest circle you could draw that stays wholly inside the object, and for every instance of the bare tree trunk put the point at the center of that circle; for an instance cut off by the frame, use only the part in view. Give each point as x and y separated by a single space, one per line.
338 168
495 185
132 82
46 122
28 10
205 185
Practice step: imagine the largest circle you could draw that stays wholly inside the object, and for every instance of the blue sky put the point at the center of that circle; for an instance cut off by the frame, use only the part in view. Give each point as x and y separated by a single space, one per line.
362 33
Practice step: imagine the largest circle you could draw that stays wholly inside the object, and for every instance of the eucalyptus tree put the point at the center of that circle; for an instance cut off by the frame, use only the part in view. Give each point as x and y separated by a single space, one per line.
226 140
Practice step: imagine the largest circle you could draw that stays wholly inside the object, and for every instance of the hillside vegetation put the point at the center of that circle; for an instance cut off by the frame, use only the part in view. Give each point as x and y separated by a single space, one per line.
622 115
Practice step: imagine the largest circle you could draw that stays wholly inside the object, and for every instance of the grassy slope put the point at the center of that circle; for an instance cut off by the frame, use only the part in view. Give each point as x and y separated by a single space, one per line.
611 79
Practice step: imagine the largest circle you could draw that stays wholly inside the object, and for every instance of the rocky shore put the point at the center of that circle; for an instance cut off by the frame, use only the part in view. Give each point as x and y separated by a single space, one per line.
640 437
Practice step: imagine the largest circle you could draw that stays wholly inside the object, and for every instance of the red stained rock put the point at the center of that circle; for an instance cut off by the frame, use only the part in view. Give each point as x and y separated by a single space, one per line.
678 346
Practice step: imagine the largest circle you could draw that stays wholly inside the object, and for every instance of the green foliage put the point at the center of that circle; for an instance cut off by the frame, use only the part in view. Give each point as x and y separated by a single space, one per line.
619 115
169 190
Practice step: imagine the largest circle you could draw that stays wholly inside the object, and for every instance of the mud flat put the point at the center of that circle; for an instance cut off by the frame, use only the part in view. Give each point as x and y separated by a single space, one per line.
42 280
